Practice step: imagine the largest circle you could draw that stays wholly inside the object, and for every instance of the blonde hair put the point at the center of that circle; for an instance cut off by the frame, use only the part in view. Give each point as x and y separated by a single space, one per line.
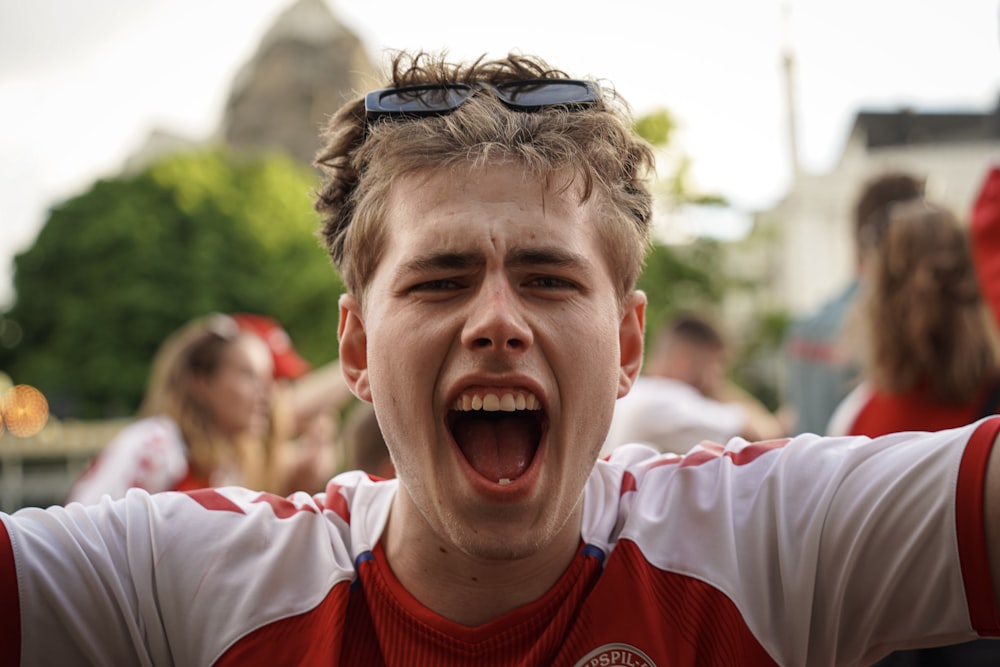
927 320
594 147
196 350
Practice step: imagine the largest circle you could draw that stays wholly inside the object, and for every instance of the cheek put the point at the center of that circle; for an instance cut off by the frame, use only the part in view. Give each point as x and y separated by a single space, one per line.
595 382
220 407
400 347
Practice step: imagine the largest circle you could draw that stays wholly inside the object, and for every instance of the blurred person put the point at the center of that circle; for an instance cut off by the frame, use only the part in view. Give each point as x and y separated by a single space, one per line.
931 361
490 219
364 443
206 419
310 400
822 357
684 397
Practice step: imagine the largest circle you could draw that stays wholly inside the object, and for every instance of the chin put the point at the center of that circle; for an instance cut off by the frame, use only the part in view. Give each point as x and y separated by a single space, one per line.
500 543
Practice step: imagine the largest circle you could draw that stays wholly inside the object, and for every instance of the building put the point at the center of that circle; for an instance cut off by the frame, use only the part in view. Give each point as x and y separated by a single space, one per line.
306 66
813 223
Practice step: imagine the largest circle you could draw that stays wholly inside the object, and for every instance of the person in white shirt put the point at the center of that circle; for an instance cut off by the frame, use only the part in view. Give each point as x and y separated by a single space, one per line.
684 398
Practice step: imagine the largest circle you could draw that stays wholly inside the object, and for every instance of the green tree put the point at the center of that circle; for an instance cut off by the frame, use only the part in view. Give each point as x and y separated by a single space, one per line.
656 127
116 269
677 277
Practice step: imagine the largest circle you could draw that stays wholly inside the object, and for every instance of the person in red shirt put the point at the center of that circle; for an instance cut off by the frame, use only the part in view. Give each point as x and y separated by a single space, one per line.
931 359
490 219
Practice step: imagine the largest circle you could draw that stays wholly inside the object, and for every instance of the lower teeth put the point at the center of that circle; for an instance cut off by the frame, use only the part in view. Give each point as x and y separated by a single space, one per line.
504 481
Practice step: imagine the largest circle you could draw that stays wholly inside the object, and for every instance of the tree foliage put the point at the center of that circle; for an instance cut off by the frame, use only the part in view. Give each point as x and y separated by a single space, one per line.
657 127
118 268
679 278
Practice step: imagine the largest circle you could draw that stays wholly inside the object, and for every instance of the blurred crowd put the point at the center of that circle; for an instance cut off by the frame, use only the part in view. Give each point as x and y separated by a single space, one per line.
230 400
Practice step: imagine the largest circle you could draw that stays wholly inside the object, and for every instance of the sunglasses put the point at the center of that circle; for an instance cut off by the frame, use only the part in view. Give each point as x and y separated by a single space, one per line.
442 98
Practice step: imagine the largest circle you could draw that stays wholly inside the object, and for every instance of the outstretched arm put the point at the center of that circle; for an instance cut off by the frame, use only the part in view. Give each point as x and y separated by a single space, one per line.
991 514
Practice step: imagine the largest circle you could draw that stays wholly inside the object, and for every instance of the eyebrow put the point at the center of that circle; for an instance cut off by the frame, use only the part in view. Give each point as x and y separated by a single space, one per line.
517 257
547 256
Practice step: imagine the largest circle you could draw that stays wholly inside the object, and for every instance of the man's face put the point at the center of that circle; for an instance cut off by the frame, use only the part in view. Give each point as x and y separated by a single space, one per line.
493 348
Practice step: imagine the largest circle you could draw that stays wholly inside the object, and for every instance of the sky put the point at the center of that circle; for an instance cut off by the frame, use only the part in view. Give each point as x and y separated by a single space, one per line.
82 84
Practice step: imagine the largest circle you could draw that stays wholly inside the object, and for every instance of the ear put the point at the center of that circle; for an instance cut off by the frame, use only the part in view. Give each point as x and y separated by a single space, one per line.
354 347
630 338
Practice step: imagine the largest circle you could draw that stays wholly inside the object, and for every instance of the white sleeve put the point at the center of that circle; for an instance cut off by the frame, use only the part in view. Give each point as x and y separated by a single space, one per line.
83 587
168 579
147 454
835 550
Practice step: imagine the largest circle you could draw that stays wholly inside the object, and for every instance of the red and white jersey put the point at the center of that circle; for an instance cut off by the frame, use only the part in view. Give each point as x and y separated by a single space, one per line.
147 454
802 552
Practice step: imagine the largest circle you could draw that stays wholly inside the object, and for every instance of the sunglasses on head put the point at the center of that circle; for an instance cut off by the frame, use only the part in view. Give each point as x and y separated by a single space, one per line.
442 98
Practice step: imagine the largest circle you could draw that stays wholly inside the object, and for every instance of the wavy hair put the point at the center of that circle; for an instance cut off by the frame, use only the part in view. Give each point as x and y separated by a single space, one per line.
594 147
927 320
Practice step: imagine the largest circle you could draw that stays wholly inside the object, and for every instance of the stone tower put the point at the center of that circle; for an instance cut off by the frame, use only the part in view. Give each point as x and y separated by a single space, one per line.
305 67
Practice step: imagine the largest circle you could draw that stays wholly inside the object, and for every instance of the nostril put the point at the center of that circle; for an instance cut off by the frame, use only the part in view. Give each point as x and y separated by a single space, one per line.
512 343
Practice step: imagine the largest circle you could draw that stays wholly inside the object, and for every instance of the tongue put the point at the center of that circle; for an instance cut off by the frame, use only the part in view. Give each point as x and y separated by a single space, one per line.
498 448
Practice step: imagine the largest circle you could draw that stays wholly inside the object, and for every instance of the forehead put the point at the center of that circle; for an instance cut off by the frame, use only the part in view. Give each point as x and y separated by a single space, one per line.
247 348
496 207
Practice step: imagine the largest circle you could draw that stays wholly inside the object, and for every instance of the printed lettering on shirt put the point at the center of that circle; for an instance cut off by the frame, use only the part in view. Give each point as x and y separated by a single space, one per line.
615 655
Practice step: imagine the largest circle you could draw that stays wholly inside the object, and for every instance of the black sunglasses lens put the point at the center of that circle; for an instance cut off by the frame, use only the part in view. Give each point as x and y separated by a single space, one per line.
423 99
546 93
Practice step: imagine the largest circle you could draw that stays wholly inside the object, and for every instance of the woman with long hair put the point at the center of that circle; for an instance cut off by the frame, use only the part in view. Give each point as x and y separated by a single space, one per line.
209 418
931 361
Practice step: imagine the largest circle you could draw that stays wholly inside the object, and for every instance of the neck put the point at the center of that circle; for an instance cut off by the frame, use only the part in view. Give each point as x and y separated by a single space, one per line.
462 587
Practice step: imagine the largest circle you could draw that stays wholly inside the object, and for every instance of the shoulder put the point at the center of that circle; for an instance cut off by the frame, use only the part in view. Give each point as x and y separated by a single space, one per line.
258 557
718 482
355 503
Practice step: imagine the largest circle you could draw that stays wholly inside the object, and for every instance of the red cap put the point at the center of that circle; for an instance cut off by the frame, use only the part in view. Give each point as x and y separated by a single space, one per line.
287 362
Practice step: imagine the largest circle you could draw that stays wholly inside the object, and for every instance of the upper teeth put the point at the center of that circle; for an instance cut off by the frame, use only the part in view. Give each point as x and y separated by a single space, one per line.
492 402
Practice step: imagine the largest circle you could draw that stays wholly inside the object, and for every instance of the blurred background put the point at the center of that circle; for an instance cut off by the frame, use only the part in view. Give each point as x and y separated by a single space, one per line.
155 164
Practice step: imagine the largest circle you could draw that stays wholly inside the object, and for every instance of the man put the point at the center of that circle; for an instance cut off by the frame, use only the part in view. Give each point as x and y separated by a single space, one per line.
490 228
821 348
683 397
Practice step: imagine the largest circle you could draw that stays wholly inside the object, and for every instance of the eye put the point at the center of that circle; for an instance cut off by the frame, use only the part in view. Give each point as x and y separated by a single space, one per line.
551 282
437 285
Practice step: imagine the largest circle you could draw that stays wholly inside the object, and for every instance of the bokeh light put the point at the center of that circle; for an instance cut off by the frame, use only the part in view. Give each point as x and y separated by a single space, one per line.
24 410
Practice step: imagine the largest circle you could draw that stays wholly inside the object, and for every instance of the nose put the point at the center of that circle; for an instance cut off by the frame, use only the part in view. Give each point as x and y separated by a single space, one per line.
496 321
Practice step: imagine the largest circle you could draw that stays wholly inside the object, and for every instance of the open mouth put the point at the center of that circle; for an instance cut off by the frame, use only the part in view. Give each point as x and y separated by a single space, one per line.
498 433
